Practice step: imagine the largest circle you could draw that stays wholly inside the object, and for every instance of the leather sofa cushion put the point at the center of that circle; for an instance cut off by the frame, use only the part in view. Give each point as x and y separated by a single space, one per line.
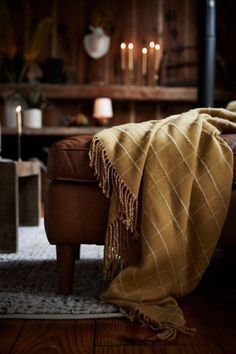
68 159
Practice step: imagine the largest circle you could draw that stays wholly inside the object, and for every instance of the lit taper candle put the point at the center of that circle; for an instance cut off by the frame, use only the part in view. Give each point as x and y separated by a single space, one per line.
122 55
19 120
152 45
157 57
130 56
19 129
144 61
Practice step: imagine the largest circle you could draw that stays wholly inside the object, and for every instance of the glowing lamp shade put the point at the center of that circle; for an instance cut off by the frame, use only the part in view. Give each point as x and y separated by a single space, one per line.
102 110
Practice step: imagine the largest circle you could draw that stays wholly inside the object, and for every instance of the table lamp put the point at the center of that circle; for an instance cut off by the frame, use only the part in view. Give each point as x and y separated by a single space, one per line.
102 110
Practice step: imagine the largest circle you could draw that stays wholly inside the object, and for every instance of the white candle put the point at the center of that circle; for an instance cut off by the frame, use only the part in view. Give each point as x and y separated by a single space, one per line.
122 53
19 130
130 56
19 120
151 53
151 57
152 44
144 61
157 56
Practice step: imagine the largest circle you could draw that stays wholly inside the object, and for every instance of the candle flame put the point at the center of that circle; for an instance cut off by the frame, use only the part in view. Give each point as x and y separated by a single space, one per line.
157 46
151 44
130 45
18 109
144 50
123 45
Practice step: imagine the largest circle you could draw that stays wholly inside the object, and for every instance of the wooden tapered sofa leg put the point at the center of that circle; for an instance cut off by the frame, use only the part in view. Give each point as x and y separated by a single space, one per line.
65 268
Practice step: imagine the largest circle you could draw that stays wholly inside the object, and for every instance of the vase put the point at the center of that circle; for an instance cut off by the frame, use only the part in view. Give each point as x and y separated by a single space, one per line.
11 101
33 118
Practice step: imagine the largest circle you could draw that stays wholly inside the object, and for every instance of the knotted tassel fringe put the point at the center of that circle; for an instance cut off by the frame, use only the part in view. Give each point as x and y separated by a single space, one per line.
109 180
164 331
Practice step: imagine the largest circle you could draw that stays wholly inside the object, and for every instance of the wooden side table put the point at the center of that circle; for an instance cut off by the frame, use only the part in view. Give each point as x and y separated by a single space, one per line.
19 200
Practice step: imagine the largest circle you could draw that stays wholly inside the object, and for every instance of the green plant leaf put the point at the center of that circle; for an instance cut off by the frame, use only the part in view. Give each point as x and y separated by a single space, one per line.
34 96
38 39
7 37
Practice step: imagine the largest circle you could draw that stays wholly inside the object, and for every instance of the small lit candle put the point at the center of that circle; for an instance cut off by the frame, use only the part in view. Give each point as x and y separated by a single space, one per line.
151 59
19 120
19 130
122 53
151 54
152 44
130 56
157 56
144 61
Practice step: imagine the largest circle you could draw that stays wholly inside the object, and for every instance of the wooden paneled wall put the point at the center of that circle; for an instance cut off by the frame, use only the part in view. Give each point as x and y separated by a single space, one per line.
170 23
173 24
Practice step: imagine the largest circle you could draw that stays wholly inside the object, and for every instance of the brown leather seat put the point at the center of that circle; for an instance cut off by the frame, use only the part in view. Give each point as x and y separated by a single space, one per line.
76 210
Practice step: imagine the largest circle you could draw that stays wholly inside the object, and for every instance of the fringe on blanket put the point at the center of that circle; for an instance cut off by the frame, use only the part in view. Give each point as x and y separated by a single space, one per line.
163 331
116 238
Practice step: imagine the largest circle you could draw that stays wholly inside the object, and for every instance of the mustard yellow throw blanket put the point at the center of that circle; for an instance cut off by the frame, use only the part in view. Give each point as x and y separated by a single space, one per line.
169 184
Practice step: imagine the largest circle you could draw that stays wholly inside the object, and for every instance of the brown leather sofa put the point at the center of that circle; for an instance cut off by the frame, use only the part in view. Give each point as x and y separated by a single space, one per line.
76 210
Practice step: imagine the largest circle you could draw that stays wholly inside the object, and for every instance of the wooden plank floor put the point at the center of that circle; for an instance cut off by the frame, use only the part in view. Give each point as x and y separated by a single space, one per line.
211 309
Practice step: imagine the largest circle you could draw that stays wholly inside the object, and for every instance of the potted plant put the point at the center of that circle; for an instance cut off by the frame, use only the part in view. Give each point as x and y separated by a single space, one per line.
17 68
35 102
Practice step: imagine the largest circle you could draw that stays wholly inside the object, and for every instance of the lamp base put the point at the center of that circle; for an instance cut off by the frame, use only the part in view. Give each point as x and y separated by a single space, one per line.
101 121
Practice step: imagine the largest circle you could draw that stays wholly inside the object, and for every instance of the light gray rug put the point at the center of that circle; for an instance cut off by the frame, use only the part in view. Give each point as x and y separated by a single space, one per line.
28 281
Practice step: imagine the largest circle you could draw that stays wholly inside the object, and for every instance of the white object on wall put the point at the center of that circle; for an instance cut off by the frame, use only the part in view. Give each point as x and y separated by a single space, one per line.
97 43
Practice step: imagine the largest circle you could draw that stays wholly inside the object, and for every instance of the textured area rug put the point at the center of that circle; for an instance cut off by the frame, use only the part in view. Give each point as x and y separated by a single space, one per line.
28 286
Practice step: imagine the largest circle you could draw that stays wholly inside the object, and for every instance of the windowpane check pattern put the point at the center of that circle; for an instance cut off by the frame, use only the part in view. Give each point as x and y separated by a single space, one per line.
169 184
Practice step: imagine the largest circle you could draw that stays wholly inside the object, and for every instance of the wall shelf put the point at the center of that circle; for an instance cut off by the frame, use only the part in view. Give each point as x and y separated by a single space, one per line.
123 92
120 92
54 131
116 92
